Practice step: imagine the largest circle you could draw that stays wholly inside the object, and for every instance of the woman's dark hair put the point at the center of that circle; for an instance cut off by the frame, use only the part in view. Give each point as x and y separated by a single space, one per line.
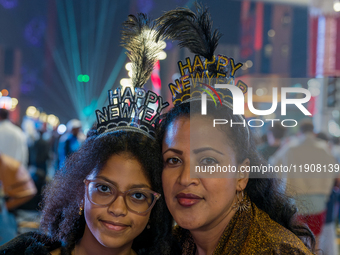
264 192
64 195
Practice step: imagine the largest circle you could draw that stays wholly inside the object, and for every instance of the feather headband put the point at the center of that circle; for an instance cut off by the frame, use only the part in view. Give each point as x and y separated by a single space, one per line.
139 38
192 30
135 110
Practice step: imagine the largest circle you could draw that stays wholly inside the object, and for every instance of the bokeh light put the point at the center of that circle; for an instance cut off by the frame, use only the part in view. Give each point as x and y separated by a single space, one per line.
83 78
31 111
4 92
43 117
61 129
36 115
6 102
336 6
126 82
162 55
53 120
128 66
86 78
15 101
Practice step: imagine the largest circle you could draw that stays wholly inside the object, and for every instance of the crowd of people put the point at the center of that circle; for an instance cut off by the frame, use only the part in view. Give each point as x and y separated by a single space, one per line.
29 158
317 198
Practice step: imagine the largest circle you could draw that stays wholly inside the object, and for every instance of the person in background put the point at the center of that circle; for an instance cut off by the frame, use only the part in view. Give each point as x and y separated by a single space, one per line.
69 142
322 136
274 137
12 139
39 155
335 147
328 242
17 182
310 194
16 188
261 142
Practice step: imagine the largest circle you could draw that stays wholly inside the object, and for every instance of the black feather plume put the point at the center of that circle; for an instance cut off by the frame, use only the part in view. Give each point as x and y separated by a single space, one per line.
192 30
139 38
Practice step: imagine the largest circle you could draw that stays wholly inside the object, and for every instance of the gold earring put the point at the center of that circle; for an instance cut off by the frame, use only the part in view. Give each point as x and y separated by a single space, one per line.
81 210
242 204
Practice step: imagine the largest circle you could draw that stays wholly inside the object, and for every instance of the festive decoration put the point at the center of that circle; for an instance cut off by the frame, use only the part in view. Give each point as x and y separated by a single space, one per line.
131 111
194 31
139 38
197 74
134 110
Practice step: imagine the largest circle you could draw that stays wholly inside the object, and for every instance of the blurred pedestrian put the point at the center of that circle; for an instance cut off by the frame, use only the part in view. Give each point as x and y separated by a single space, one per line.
16 188
328 239
39 155
69 142
336 148
12 139
274 137
17 182
310 194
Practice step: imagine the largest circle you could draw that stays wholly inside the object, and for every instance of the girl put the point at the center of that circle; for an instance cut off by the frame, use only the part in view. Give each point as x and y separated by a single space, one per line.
108 198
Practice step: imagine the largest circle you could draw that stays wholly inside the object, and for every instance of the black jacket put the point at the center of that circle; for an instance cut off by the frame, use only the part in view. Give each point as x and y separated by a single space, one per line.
28 244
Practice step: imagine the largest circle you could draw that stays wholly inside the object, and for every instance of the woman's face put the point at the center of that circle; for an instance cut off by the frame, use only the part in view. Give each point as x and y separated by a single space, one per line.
198 204
114 226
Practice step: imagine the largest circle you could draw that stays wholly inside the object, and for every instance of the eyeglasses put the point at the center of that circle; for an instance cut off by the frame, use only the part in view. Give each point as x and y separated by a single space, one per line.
137 200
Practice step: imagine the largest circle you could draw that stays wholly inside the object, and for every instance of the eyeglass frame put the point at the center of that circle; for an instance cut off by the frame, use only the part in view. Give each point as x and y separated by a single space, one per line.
123 194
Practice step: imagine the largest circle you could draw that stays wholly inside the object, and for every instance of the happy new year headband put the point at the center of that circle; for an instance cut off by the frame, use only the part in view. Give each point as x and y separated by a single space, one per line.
135 109
194 31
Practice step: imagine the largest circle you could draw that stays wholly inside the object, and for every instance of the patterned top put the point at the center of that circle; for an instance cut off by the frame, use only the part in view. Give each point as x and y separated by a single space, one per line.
249 232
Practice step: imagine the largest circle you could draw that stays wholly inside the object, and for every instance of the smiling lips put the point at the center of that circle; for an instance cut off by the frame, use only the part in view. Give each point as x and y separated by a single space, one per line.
115 226
188 200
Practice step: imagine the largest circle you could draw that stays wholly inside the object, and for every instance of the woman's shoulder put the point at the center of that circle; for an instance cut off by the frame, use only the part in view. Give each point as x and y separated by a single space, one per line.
29 243
270 235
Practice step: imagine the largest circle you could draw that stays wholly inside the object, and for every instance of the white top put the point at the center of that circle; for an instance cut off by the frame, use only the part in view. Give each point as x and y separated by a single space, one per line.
311 152
13 142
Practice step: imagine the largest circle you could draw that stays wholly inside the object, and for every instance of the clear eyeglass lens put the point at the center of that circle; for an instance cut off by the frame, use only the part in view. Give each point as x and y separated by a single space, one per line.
137 200
101 193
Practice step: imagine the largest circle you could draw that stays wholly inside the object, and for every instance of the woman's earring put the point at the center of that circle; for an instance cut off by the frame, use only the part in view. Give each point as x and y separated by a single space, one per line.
242 203
81 210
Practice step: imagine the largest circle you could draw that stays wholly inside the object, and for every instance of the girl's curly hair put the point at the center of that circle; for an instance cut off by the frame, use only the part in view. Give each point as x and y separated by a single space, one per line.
62 197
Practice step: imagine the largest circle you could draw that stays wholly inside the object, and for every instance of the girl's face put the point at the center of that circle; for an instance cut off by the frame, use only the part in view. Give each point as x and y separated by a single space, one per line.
113 225
198 203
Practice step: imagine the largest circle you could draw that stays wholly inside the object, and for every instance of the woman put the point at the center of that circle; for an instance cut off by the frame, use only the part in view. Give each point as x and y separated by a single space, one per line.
236 213
231 215
101 201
